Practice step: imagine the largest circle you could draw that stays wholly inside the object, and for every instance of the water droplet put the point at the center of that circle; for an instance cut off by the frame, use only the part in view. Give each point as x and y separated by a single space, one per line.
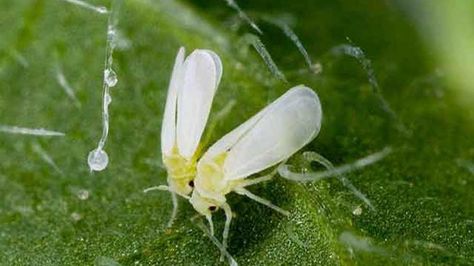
110 77
111 33
108 99
357 211
75 216
97 160
102 10
82 194
317 68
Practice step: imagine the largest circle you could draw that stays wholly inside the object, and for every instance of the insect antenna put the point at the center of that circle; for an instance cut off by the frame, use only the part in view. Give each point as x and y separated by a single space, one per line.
225 233
202 226
245 192
166 188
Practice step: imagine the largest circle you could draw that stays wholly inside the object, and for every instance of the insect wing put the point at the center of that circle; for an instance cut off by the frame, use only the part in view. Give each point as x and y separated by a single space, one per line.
168 128
286 126
225 143
217 63
202 71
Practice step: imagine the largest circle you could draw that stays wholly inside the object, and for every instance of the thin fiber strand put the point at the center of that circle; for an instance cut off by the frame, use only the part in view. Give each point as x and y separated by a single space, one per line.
30 131
45 156
288 31
267 58
243 15
63 82
357 53
98 9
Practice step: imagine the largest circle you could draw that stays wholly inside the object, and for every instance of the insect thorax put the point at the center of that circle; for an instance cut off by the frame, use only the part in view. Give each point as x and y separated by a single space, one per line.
180 172
210 178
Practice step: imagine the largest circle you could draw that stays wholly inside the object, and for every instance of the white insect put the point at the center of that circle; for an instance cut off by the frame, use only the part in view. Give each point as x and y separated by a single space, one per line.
265 140
193 84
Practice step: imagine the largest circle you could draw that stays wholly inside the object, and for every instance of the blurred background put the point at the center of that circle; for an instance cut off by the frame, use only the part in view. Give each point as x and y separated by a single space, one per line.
390 74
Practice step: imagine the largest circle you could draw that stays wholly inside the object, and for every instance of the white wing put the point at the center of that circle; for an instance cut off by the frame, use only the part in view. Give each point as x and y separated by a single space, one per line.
217 63
283 128
168 127
202 71
225 143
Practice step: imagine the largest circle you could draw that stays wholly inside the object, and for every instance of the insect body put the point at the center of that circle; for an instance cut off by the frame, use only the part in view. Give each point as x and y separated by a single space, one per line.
268 138
193 84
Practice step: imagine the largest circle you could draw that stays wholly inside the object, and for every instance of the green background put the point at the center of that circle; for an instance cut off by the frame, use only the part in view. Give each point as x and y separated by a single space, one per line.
420 51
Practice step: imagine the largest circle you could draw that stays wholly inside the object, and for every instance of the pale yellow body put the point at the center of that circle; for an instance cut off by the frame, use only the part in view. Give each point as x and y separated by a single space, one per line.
180 172
211 186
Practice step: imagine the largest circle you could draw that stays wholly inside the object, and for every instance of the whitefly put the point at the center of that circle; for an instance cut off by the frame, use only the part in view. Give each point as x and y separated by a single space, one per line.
192 87
265 140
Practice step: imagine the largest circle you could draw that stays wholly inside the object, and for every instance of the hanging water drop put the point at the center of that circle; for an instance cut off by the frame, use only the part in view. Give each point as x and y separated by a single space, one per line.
110 33
110 77
108 99
97 160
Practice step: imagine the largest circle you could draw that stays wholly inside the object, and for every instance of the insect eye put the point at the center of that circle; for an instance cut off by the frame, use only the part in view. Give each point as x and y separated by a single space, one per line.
212 208
191 183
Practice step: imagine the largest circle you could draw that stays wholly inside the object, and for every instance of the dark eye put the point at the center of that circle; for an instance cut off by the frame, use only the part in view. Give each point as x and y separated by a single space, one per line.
212 208
191 183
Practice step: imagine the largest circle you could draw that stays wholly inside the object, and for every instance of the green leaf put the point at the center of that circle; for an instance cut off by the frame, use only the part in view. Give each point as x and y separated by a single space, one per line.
422 192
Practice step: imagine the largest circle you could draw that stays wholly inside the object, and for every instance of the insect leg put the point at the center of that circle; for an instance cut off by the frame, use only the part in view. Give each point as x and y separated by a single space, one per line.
216 242
225 234
257 180
243 191
211 224
260 179
174 198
